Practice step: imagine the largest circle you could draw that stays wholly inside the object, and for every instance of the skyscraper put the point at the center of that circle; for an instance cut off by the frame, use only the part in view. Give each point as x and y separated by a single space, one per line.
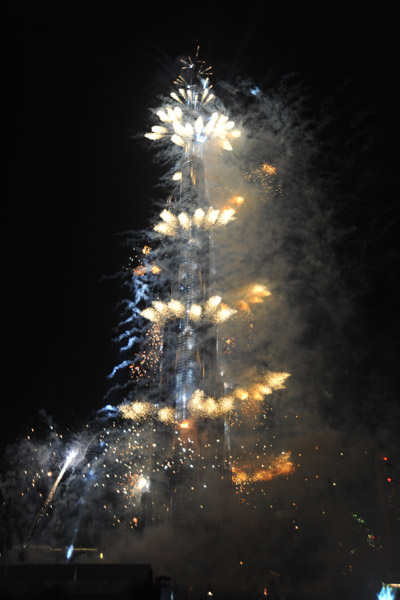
190 381
190 414
190 348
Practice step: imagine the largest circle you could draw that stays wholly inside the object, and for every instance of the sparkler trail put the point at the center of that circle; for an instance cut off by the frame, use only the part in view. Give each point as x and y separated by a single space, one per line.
71 455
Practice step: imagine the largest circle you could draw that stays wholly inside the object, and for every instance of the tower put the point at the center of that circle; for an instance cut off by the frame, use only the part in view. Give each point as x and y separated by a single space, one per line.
190 381
190 347
185 419
189 363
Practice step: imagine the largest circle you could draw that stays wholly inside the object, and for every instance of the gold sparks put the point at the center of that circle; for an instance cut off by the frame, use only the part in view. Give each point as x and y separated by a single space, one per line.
195 312
159 312
253 294
145 362
136 411
257 293
214 310
213 218
277 467
269 169
201 406
141 270
141 411
272 380
167 415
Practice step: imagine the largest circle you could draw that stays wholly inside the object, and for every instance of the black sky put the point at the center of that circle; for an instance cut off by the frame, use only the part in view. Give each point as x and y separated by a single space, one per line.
81 83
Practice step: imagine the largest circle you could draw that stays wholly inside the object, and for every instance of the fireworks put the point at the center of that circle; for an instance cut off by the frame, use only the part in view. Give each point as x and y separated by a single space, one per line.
181 414
136 411
265 385
277 467
183 129
141 411
191 124
213 218
386 593
70 457
200 406
214 310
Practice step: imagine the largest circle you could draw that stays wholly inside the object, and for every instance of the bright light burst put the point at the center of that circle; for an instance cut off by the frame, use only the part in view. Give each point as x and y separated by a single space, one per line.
201 406
265 385
188 121
141 411
214 310
171 224
184 129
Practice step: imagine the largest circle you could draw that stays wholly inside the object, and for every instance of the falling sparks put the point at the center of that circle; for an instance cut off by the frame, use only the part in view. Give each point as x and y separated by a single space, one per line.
145 363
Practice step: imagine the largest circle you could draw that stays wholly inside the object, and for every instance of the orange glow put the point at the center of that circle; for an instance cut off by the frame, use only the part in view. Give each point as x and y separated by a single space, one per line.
268 169
185 425
280 466
253 294
257 293
146 249
139 271
241 394
243 306
255 300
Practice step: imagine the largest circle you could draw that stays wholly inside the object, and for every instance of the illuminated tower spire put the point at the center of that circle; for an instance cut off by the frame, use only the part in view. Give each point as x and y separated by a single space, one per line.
195 358
189 361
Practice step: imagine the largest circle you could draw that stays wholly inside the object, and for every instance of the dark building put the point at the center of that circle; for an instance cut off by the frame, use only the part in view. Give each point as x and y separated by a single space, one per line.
108 581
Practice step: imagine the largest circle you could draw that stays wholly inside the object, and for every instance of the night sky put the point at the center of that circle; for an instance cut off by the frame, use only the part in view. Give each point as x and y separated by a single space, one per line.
81 83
